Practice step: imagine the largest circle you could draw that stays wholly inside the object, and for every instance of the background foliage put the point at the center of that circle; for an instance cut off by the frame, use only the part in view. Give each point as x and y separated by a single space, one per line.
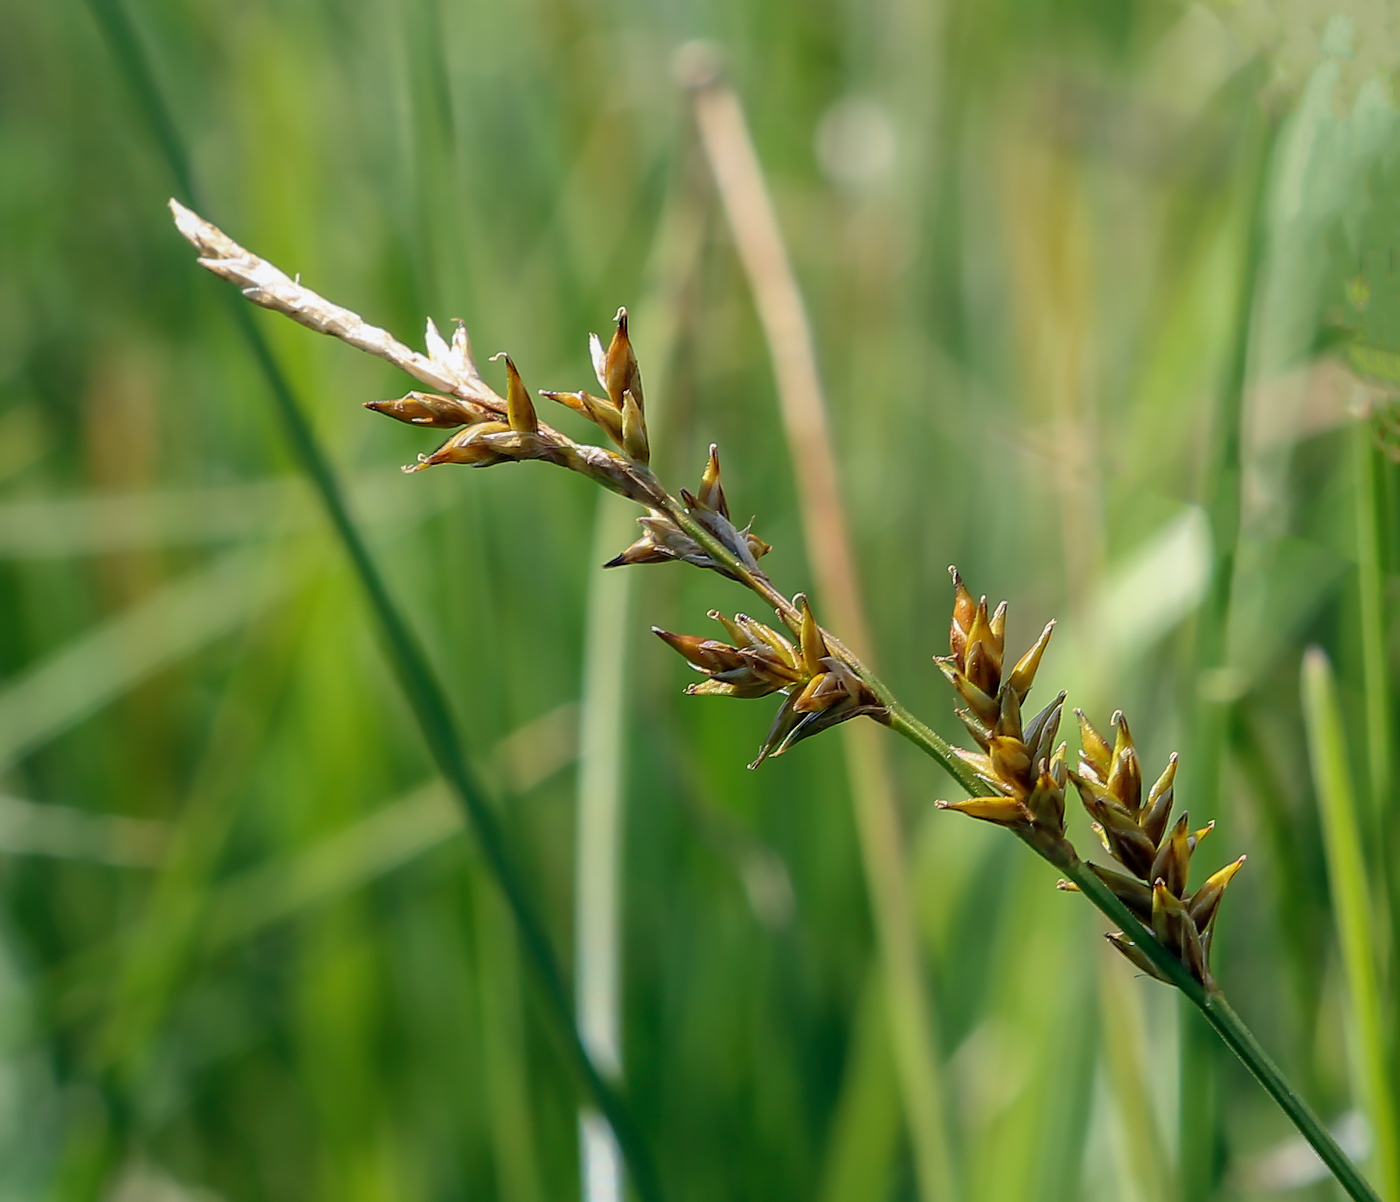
1084 275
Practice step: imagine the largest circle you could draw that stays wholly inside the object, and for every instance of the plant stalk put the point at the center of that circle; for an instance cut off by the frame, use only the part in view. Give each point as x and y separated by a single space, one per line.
1347 880
1371 567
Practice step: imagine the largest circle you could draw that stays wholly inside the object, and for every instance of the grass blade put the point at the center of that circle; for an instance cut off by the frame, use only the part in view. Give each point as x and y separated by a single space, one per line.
421 687
598 840
749 209
1370 559
1351 896
114 656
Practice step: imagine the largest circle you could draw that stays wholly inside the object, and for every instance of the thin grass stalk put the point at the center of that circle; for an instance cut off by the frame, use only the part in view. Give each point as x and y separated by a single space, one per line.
511 1118
749 209
422 690
1148 1168
598 840
1371 562
675 255
863 1138
1370 588
1355 913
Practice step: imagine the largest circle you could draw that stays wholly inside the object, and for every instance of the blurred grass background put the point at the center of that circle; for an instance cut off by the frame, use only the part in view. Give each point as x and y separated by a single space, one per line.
1099 290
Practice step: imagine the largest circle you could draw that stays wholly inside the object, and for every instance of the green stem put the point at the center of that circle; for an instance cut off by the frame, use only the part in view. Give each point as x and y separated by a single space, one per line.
431 710
1240 1040
931 744
423 691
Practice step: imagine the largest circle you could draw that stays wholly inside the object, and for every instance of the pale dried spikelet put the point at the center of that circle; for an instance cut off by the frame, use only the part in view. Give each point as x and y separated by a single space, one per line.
490 428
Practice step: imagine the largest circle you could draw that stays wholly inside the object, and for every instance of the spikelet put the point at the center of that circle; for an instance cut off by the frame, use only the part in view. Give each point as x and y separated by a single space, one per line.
1137 831
1018 762
821 689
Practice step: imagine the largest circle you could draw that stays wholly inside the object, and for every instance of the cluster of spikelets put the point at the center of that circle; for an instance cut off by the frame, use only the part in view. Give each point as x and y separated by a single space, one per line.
489 433
1025 778
822 689
1026 781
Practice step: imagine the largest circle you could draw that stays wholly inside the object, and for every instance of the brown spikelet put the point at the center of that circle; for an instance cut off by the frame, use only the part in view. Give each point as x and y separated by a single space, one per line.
1016 757
1135 832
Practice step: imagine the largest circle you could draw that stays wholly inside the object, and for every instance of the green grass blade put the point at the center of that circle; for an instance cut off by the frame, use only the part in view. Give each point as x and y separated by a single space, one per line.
1370 560
863 1144
763 254
66 832
1351 896
114 656
1200 1163
422 689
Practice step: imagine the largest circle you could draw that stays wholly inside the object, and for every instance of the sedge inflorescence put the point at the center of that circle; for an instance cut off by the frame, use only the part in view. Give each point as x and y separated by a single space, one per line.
1019 773
1139 834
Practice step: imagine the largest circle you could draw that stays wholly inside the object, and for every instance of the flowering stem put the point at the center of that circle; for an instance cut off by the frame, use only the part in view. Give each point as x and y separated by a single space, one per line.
425 695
